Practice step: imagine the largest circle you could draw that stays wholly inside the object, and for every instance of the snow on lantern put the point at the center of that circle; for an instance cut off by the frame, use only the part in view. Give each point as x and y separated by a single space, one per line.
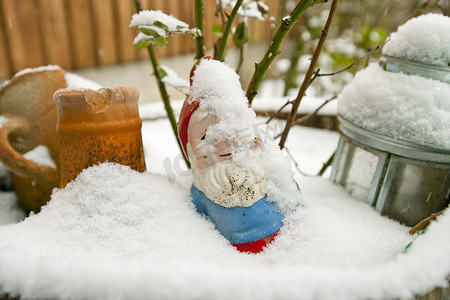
394 150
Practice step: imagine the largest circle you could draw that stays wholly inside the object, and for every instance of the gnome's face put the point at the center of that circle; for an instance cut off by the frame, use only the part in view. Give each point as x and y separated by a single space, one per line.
206 152
214 170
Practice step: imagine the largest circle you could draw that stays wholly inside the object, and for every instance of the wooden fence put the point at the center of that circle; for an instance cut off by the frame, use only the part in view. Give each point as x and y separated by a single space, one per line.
82 33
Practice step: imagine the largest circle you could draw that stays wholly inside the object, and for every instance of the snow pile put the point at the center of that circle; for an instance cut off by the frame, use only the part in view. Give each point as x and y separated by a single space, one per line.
424 39
40 156
406 107
117 233
219 91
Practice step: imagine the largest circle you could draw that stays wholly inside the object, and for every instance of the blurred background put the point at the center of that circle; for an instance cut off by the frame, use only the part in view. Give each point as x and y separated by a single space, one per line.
92 38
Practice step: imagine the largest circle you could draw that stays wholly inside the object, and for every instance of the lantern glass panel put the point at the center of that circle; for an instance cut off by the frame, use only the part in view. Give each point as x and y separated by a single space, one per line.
414 193
356 170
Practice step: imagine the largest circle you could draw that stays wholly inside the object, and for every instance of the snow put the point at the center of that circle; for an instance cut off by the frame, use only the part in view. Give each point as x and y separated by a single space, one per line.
283 65
115 233
172 78
423 39
76 81
38 69
113 219
406 107
248 9
149 17
112 234
3 121
33 70
40 156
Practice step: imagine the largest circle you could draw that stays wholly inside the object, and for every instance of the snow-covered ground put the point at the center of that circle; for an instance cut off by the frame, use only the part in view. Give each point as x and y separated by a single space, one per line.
114 233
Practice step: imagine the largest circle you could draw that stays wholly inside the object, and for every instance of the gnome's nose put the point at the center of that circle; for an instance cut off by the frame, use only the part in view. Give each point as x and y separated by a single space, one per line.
224 147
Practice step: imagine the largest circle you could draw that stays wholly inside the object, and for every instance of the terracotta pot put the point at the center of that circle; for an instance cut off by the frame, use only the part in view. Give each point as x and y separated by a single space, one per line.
26 103
98 126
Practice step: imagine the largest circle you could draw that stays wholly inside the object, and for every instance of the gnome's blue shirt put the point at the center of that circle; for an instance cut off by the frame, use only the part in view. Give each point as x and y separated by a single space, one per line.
240 224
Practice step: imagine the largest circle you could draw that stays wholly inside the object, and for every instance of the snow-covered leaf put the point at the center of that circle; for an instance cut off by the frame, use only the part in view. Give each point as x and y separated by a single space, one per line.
155 26
148 31
160 41
162 25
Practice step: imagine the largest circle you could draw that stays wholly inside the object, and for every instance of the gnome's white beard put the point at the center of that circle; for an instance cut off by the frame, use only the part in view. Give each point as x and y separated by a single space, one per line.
229 184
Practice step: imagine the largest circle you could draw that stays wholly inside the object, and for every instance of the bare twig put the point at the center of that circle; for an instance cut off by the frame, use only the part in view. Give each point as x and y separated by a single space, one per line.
314 113
163 91
278 111
295 162
424 223
367 54
309 73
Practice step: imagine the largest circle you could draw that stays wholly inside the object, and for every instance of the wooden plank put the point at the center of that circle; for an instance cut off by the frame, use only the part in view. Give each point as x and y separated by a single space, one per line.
210 20
22 34
125 35
104 31
174 45
54 32
187 12
5 66
79 16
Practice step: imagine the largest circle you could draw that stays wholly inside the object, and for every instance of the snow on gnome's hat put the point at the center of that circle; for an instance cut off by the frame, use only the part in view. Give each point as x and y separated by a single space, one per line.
216 86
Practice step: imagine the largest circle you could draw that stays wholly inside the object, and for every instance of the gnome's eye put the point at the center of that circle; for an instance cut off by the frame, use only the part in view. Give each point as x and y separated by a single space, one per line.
203 137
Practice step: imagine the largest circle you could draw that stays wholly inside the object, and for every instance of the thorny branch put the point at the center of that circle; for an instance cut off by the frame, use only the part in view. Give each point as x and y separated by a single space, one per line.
309 73
226 31
199 40
162 90
286 24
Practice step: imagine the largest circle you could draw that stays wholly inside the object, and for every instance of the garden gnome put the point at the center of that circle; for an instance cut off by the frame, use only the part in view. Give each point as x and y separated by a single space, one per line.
231 195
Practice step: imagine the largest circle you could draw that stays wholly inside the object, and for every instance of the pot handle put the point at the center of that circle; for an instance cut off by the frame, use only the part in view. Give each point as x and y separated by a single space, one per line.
16 162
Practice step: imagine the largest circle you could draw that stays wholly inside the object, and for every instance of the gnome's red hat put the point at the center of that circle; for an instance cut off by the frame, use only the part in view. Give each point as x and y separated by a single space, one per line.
189 106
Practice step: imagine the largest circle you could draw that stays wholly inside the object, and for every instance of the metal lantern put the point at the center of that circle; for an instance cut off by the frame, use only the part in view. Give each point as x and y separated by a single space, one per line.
401 179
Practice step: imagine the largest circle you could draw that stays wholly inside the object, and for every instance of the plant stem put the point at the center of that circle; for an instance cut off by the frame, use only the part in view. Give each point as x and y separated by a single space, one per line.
227 30
309 73
241 59
326 165
199 40
163 91
272 52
